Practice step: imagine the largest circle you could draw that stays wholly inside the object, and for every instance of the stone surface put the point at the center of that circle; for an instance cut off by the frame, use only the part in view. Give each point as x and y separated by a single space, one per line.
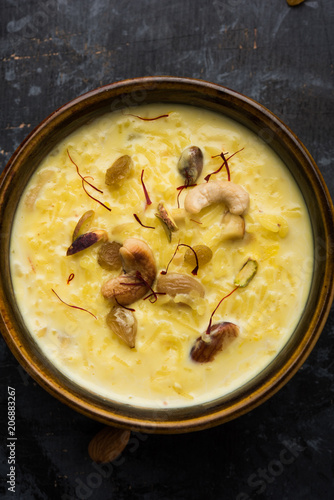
54 50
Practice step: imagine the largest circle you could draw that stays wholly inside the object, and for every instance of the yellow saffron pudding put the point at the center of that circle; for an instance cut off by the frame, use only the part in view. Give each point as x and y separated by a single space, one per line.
159 371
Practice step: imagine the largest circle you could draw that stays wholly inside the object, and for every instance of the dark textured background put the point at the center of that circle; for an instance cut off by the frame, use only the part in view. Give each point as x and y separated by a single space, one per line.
54 50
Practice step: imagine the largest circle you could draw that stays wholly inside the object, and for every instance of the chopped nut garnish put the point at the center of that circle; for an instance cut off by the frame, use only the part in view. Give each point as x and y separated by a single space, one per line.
246 273
123 323
208 345
190 164
86 240
82 224
233 195
167 220
174 284
139 273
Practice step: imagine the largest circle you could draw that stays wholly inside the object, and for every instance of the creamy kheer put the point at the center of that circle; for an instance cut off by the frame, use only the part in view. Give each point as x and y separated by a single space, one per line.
159 371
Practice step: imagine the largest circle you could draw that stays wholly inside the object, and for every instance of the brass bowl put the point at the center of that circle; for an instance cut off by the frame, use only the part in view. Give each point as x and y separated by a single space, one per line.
297 159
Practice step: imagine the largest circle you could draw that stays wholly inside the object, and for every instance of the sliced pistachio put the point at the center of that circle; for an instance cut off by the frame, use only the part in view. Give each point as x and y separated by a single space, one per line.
233 227
167 220
119 170
190 164
175 283
209 344
204 255
82 224
246 273
123 323
109 257
86 240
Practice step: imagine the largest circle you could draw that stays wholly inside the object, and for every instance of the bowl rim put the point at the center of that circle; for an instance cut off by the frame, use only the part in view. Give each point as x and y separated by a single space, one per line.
161 421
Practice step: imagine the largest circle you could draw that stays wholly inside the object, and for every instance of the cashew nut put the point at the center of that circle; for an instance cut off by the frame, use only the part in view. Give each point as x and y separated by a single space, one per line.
234 196
175 283
139 273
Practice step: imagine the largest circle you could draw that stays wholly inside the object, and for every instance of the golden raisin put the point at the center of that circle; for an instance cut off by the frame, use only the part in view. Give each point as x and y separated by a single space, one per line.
204 255
108 256
119 170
